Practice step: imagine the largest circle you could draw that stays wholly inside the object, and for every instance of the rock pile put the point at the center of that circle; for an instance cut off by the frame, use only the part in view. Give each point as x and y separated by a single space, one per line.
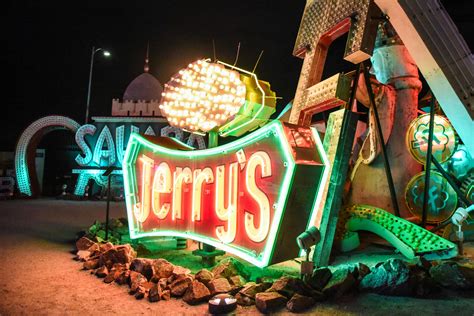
158 279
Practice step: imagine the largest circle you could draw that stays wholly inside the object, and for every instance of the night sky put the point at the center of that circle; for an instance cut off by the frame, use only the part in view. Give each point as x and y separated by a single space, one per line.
46 58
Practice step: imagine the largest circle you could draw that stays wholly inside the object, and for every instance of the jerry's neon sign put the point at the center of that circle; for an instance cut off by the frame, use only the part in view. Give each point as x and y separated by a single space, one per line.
241 197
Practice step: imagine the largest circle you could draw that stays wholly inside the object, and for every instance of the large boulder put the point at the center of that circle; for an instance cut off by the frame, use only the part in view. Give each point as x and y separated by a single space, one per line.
390 278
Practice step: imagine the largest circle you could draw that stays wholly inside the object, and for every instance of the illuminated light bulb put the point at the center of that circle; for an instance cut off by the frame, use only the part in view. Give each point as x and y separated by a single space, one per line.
202 96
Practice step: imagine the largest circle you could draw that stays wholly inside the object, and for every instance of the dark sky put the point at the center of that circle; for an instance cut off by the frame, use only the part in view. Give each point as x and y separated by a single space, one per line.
46 58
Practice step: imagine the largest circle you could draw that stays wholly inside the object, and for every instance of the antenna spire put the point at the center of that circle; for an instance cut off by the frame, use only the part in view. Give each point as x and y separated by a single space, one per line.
147 68
256 64
237 55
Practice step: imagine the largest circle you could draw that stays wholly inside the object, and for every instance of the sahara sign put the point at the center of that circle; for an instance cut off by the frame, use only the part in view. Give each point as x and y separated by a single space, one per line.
248 197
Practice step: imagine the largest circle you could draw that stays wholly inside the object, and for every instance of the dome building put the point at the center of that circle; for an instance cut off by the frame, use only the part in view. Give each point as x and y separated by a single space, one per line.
141 98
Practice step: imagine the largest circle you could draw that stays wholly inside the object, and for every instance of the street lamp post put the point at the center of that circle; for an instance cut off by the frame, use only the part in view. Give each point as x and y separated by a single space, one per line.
106 54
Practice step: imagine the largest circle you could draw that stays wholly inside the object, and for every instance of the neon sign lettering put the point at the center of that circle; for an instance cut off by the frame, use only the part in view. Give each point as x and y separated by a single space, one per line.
238 197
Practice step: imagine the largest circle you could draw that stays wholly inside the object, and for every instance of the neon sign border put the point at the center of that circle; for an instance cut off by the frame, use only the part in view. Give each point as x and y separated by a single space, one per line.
274 127
318 205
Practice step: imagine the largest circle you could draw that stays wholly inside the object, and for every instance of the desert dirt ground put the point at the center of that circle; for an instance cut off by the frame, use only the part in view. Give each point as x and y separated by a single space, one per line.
38 275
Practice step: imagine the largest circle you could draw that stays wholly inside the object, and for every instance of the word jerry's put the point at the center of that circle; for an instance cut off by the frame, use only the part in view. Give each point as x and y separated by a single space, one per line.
206 196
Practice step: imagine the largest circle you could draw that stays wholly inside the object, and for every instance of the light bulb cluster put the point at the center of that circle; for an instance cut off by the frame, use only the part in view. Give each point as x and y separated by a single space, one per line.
202 96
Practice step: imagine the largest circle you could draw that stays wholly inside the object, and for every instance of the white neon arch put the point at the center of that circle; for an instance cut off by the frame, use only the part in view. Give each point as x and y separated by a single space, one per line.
26 149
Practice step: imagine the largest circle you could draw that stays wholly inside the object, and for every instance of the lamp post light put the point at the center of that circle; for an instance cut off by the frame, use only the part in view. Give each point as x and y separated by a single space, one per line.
106 54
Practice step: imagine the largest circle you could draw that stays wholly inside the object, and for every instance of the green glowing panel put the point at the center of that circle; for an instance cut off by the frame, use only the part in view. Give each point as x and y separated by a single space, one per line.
410 239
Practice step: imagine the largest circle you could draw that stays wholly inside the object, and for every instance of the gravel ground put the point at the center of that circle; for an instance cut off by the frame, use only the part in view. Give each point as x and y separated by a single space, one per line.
39 277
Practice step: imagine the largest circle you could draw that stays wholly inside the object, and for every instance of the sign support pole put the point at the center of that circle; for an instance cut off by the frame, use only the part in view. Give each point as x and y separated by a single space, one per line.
428 163
209 253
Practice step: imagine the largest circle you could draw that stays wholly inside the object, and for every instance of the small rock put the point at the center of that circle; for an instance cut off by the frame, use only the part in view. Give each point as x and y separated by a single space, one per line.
105 247
237 281
450 275
319 278
162 269
244 300
286 286
83 255
143 290
421 283
91 264
467 271
166 295
121 254
196 293
109 278
154 295
204 276
140 293
390 278
235 289
143 266
163 282
269 301
425 264
170 279
84 243
341 282
264 279
116 271
94 249
136 280
251 289
123 277
108 258
219 285
177 270
125 253
299 303
229 267
363 270
102 272
179 286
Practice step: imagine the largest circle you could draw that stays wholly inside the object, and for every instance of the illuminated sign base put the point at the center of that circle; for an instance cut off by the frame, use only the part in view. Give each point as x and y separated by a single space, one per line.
251 197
